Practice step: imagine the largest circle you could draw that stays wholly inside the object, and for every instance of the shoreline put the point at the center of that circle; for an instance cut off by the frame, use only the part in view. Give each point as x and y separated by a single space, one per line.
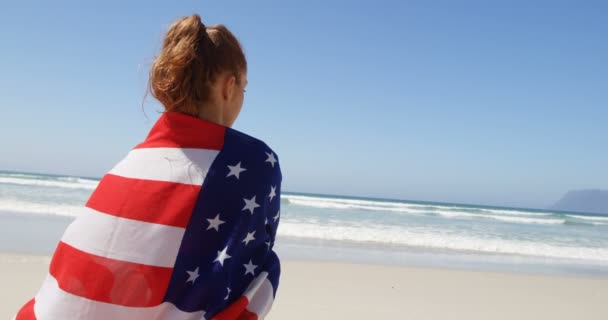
418 257
31 234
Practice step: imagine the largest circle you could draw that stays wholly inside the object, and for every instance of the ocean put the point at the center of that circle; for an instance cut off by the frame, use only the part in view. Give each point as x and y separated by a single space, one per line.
36 208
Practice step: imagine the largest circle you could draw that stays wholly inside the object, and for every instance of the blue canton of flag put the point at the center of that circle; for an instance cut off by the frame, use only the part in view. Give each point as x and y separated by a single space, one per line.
229 239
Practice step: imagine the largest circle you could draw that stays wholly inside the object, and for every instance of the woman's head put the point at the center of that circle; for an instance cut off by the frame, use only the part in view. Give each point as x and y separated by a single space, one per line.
200 71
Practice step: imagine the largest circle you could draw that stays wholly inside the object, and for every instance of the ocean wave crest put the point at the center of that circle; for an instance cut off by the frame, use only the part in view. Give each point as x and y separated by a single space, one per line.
588 218
419 209
512 219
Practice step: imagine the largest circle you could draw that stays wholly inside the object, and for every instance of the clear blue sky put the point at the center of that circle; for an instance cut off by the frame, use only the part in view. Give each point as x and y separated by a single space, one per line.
490 102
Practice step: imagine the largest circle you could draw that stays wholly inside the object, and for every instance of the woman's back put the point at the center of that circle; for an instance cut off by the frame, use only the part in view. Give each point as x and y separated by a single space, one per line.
182 228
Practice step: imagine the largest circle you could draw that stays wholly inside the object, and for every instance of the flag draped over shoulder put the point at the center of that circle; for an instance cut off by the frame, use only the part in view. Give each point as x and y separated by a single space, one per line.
182 228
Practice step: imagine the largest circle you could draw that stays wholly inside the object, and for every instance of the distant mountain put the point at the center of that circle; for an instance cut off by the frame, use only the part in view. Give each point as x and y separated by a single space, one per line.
591 201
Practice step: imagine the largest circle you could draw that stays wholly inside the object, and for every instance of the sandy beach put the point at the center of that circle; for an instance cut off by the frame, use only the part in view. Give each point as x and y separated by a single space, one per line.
321 290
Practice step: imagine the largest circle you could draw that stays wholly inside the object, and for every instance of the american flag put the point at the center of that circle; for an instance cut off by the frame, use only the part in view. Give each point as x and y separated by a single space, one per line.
182 228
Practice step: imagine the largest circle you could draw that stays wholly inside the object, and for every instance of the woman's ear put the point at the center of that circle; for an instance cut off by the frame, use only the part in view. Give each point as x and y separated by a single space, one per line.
228 87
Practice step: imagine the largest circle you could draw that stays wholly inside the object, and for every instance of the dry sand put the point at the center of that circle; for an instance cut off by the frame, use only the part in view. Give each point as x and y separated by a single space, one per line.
316 290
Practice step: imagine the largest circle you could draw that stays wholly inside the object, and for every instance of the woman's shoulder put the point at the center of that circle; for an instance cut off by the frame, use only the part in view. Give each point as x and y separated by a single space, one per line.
249 142
252 154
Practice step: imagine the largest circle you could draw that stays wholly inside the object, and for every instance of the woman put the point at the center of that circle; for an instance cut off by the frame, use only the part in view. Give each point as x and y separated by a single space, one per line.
184 226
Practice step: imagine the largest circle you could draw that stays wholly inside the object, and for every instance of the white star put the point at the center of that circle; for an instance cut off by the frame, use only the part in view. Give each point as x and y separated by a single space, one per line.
192 275
235 170
277 216
265 221
272 192
250 268
250 204
215 223
249 237
268 244
228 294
222 255
271 158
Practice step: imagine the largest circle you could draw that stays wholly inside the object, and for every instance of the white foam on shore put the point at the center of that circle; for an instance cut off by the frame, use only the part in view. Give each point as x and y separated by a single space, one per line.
436 239
67 182
11 205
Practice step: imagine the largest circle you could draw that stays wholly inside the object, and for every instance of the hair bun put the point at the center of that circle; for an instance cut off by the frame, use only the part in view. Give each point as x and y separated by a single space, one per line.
189 62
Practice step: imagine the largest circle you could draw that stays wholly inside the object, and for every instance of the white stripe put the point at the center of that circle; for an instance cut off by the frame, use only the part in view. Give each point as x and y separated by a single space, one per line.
254 285
187 166
52 303
123 239
260 295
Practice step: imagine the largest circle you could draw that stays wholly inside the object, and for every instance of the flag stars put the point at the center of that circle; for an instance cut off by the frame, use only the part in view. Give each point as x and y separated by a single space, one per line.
222 255
271 158
235 170
250 268
268 244
192 275
215 223
228 294
250 204
249 237
275 218
273 192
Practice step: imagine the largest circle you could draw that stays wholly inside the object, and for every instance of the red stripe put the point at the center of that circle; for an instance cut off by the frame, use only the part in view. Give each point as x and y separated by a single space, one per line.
108 280
247 315
177 130
27 311
236 311
161 202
